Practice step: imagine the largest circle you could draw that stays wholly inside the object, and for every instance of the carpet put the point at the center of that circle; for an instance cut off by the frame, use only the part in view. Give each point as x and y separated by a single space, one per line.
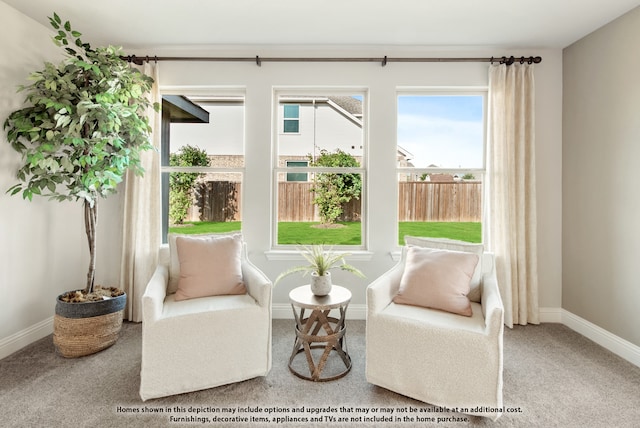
553 377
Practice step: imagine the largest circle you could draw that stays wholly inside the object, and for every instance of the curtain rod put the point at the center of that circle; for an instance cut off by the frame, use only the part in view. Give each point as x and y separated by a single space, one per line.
139 60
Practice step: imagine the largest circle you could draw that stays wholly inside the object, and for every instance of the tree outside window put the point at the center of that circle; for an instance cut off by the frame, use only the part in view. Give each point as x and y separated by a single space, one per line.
331 190
182 184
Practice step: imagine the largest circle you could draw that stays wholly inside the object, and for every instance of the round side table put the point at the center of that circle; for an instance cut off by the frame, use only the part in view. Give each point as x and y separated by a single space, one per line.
319 330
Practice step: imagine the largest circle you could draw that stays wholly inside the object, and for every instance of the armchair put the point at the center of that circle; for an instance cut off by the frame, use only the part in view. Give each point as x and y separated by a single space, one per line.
434 356
203 342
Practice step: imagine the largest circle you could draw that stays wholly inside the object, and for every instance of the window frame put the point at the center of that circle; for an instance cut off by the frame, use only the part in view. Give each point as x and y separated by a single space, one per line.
196 94
478 172
278 171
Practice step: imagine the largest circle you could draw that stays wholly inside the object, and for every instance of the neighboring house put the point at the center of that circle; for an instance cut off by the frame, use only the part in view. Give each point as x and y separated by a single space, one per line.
306 124
309 124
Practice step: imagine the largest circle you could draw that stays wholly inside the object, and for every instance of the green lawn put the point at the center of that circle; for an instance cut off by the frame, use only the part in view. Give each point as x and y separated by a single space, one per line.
462 231
196 227
301 233
304 233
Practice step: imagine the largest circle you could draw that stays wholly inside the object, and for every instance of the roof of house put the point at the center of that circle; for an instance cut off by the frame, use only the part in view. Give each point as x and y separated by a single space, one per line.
350 104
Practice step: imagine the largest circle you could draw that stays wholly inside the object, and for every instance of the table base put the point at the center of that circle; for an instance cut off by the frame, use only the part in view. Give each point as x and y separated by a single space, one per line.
307 338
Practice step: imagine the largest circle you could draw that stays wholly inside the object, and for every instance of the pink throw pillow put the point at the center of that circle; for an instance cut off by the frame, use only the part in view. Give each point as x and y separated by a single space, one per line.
209 266
437 279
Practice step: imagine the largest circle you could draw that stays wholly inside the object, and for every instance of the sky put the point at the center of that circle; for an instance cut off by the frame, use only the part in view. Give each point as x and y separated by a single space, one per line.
446 131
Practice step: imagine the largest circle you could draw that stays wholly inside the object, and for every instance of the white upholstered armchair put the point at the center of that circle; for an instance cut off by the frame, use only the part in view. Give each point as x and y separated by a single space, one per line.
191 343
435 356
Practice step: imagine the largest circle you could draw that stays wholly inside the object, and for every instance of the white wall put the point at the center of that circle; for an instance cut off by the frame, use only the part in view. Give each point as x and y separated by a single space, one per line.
601 154
381 83
41 241
43 250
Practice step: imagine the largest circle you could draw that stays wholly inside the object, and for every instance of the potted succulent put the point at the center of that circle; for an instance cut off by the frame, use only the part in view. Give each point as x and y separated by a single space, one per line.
83 126
321 262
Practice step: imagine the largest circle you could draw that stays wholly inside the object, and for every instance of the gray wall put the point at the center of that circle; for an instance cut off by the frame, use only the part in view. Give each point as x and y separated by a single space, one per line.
600 169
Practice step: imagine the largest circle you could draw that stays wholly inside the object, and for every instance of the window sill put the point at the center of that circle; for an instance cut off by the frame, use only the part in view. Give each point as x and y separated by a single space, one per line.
274 255
396 255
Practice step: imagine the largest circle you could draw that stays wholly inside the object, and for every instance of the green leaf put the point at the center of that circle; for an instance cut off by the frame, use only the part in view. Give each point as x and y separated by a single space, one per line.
66 164
14 189
78 130
136 91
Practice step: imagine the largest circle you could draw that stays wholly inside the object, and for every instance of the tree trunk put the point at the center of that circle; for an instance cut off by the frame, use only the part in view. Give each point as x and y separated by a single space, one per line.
90 223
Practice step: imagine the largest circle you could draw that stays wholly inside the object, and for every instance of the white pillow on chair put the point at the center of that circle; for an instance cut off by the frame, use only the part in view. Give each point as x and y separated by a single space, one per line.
174 262
453 245
209 266
437 279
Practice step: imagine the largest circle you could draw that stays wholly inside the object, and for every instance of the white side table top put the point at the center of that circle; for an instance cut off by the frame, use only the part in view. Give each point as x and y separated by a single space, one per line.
304 298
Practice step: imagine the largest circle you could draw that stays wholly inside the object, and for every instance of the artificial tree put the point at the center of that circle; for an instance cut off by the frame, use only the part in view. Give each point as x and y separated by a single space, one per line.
83 126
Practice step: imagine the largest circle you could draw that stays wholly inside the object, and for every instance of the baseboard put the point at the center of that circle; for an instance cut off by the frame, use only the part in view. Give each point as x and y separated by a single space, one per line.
19 340
610 341
602 337
551 315
283 311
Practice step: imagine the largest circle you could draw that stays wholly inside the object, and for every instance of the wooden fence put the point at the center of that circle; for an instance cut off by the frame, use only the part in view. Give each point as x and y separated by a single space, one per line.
417 201
295 203
217 201
449 201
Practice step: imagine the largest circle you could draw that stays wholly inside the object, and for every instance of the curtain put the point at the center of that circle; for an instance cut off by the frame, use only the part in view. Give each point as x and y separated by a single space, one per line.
141 228
511 190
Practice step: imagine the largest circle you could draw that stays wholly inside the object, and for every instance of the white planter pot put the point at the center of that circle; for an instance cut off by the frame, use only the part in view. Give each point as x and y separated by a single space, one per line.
320 285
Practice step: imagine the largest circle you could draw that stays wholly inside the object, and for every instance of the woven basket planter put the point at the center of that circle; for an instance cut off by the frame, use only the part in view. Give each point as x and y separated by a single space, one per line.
81 329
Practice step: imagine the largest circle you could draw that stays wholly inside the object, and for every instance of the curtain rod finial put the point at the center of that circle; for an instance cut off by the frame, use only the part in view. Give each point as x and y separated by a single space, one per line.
134 59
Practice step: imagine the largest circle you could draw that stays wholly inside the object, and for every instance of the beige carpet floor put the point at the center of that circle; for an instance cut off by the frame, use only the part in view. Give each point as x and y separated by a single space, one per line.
552 375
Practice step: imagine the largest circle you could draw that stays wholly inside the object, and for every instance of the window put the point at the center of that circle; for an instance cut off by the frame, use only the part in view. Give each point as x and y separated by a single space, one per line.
441 164
202 164
322 201
297 176
291 113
